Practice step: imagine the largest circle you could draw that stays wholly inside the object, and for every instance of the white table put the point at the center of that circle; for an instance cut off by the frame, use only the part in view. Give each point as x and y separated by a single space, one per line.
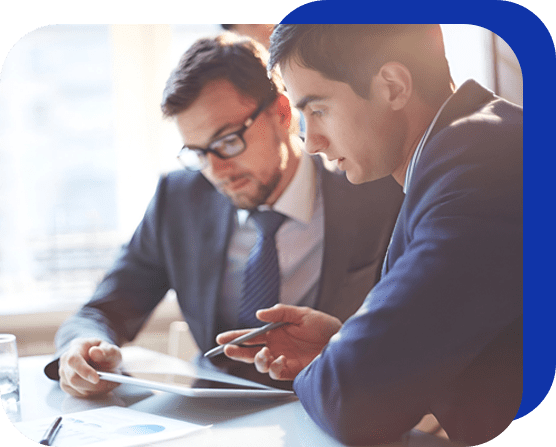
235 422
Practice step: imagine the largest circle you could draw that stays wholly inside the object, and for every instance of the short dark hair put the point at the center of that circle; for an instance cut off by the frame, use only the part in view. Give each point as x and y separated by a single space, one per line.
240 60
227 27
354 54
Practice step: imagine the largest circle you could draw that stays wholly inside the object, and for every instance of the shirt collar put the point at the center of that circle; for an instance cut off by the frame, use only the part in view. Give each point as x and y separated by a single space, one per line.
419 149
297 200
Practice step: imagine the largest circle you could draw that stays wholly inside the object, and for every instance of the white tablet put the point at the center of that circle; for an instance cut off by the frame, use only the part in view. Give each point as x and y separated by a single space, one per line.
193 386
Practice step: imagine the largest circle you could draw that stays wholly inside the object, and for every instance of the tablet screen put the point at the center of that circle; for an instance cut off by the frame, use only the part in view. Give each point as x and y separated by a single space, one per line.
192 386
189 382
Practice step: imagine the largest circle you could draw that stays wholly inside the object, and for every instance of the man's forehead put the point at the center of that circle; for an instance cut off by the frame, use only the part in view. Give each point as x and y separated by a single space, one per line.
305 85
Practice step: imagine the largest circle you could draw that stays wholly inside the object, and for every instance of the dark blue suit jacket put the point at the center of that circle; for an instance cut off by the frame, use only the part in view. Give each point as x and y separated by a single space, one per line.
442 330
182 243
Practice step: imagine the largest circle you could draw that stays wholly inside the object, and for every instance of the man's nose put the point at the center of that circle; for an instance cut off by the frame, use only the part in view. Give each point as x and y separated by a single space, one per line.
315 141
218 166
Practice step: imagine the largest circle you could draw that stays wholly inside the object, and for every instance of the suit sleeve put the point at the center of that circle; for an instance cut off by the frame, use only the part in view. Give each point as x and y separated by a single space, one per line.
454 285
129 292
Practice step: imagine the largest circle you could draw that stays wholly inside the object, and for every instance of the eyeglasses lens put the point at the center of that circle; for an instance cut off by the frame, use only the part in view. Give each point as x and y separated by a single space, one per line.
228 146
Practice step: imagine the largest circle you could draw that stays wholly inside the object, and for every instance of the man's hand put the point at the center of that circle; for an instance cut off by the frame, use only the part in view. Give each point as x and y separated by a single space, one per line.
79 363
289 348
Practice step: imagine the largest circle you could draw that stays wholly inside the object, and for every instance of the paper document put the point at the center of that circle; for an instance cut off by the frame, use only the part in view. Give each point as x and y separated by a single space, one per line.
109 426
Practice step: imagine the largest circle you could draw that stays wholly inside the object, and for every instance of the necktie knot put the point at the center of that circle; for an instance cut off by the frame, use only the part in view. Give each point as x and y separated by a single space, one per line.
267 222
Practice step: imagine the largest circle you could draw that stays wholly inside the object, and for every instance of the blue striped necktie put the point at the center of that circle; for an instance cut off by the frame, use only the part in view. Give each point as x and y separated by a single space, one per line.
261 280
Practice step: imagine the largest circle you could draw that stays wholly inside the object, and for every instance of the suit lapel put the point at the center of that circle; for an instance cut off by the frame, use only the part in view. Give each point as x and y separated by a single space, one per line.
465 101
336 232
216 229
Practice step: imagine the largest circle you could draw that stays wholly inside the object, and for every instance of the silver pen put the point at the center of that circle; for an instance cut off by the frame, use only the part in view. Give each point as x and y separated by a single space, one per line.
51 432
239 340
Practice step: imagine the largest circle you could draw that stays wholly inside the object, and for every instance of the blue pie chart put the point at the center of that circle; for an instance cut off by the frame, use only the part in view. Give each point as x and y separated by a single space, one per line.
136 430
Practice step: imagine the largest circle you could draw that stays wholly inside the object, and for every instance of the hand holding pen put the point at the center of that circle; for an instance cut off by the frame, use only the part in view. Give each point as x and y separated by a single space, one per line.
288 348
253 333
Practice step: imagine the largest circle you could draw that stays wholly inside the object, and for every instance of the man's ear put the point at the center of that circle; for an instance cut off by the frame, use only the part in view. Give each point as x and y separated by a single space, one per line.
397 84
283 108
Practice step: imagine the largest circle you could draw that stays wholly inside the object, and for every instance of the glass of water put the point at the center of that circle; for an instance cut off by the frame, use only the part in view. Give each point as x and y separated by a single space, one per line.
9 377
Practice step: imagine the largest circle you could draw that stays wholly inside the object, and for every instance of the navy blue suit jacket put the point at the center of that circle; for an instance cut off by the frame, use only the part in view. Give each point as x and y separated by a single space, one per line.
182 242
441 332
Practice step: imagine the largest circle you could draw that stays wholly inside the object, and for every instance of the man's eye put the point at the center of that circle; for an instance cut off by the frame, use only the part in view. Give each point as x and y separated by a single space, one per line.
227 145
317 112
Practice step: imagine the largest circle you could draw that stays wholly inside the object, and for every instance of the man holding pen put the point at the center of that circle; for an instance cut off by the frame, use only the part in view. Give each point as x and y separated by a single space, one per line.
441 332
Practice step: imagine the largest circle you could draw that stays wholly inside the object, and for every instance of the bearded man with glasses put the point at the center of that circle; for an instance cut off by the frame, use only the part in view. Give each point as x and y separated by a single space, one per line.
244 158
215 159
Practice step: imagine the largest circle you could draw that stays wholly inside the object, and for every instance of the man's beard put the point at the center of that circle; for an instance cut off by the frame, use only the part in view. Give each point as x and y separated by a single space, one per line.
251 201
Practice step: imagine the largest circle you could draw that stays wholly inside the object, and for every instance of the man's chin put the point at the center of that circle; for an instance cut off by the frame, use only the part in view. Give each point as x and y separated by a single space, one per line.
247 201
242 201
252 194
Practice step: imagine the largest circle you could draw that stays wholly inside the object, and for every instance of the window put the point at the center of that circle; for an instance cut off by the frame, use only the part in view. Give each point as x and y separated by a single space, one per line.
474 52
80 138
58 207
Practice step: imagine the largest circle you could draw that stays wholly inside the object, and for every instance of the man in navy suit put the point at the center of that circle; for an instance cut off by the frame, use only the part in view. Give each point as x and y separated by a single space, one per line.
242 153
441 332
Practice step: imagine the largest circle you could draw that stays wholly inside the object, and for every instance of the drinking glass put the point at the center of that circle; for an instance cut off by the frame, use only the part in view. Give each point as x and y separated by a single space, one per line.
9 377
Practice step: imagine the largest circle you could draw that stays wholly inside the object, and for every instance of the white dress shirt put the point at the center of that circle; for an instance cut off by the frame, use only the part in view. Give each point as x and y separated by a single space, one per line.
299 242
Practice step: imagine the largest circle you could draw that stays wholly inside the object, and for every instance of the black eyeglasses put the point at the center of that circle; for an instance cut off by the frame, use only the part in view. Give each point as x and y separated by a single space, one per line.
195 158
